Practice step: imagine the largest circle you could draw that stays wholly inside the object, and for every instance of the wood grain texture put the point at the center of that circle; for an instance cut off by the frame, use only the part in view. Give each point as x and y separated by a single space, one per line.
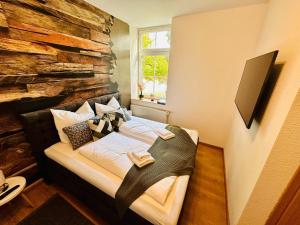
204 205
66 86
100 37
57 51
69 12
73 57
12 45
30 16
33 33
3 22
13 63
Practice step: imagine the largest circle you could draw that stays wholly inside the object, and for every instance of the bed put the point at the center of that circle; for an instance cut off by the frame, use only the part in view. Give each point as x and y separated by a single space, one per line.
95 185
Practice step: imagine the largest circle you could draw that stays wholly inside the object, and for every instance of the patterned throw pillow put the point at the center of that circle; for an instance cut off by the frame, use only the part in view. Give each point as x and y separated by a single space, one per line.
78 134
118 117
100 127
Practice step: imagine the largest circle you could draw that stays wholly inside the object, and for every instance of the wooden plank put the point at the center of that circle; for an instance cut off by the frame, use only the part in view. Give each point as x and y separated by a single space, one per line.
13 89
103 69
63 67
66 86
100 37
35 18
83 4
3 22
17 79
13 80
12 63
33 33
84 95
26 105
68 74
15 153
91 53
7 44
69 12
17 96
73 57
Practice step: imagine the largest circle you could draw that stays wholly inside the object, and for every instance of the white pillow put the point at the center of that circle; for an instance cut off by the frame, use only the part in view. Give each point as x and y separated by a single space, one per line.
63 118
101 109
113 102
86 109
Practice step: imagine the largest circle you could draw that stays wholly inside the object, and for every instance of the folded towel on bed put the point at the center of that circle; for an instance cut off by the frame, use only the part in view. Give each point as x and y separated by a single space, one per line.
141 155
140 159
165 134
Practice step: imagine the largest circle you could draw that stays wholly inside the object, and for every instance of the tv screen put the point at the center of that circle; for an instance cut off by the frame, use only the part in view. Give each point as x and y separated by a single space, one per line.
252 84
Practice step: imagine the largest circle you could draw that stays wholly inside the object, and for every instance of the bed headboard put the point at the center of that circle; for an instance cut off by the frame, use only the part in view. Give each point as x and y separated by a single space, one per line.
40 129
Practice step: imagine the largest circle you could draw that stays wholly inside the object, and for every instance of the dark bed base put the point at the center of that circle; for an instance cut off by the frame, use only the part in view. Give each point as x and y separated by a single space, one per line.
92 197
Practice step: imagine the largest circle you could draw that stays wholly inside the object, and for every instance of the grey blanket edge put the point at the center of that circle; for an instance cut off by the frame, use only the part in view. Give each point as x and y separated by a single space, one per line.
169 161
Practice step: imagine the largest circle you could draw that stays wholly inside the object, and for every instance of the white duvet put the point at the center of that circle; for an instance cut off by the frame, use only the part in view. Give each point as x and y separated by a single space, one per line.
110 153
145 130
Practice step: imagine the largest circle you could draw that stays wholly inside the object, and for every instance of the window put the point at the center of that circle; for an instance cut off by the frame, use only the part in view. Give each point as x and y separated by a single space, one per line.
154 46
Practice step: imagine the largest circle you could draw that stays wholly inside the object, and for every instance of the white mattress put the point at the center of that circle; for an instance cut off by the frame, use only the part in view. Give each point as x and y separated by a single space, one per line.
145 206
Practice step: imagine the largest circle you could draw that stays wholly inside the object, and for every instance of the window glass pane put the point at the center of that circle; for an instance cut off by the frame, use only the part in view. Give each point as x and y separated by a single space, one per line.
155 75
148 88
148 40
148 66
163 39
153 40
162 67
148 74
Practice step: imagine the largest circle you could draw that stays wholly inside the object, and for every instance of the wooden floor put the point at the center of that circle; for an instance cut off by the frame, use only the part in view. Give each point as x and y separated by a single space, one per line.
205 202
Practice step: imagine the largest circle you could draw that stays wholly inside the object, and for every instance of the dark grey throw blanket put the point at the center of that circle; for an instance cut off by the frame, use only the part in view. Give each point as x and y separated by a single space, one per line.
174 157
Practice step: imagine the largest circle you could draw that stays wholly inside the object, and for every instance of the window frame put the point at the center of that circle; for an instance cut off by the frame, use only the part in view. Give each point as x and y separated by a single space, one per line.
150 52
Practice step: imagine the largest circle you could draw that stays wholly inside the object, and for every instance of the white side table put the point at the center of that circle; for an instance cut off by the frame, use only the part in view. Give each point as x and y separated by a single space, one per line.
12 181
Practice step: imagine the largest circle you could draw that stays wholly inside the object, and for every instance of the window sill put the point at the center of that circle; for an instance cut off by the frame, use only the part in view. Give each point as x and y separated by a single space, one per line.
149 103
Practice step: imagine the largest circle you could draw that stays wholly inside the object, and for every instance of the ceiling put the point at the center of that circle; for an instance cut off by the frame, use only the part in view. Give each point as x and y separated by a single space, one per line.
146 13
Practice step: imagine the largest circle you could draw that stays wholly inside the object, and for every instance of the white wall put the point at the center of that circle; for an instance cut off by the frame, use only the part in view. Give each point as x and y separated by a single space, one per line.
247 151
121 47
208 53
278 170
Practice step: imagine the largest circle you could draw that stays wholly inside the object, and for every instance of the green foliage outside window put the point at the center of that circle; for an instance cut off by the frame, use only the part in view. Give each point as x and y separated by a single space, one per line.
157 65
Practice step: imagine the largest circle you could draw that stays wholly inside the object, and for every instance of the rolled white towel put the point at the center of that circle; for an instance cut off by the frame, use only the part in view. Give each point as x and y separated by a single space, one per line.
140 163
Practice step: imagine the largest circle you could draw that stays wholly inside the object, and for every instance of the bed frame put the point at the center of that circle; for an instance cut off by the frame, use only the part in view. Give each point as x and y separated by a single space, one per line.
41 133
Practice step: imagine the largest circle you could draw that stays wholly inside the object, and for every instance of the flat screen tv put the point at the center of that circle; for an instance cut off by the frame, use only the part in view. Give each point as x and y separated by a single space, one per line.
252 84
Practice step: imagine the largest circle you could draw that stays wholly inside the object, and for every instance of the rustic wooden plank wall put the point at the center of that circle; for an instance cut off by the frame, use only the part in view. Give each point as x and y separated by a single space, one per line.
58 50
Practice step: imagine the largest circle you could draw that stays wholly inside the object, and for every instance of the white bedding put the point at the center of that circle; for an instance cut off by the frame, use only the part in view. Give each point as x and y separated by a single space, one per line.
144 130
108 178
110 152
